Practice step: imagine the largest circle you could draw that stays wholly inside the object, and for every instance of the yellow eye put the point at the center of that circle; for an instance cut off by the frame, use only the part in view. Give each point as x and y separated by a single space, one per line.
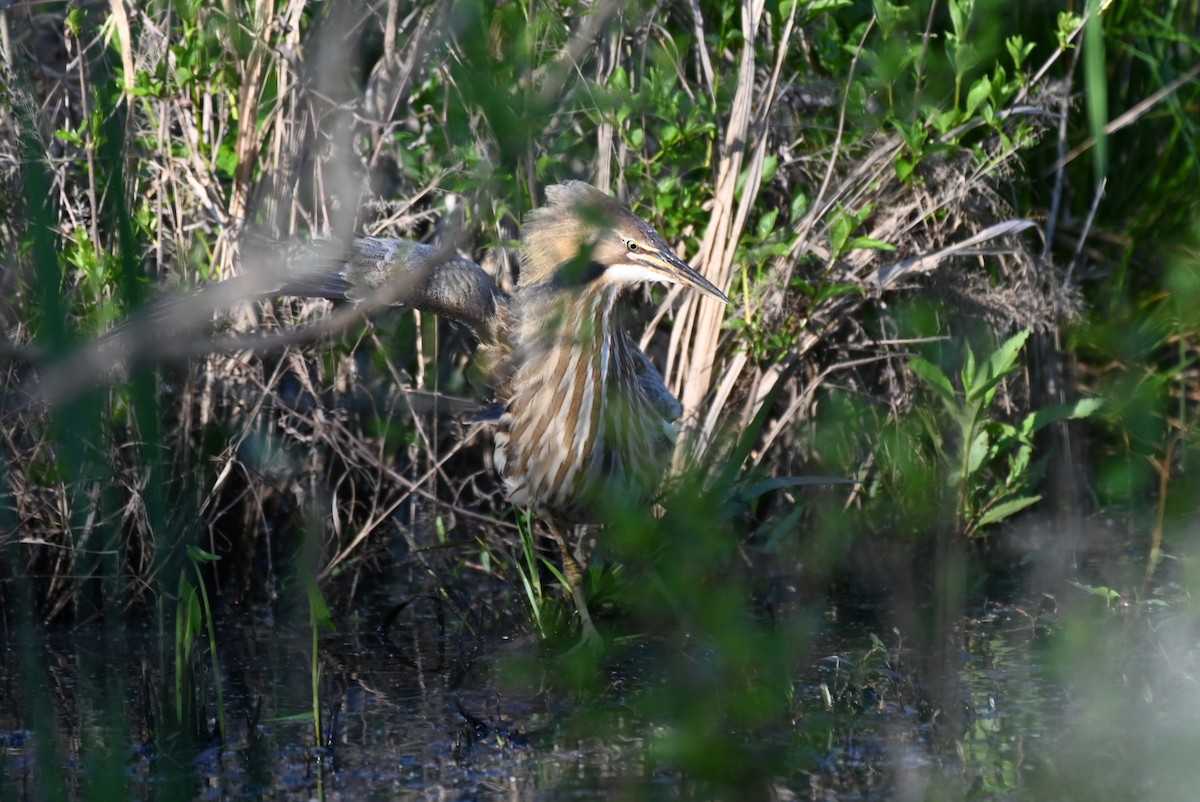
633 246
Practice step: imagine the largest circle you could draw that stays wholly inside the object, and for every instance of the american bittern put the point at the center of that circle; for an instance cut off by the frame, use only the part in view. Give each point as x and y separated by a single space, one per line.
583 416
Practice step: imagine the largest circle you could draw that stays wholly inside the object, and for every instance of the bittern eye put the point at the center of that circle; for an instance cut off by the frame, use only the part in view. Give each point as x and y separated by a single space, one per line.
633 246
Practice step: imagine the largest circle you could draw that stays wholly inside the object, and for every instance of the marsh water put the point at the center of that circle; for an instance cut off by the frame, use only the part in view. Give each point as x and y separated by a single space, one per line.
1024 704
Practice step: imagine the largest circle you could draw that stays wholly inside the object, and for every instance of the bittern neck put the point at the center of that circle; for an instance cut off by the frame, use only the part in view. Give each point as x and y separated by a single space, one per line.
564 333
573 317
586 415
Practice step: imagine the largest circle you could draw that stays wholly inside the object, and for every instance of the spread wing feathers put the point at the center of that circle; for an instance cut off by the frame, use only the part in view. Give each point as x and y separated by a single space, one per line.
420 276
409 274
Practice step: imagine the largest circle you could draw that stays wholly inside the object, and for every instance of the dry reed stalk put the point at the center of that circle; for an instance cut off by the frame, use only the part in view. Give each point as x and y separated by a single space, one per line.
695 338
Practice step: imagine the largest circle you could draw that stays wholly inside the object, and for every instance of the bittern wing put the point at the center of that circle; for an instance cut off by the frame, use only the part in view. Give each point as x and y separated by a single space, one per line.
411 274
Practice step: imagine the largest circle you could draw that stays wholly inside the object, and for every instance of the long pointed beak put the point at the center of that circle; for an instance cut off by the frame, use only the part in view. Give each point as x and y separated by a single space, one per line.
673 269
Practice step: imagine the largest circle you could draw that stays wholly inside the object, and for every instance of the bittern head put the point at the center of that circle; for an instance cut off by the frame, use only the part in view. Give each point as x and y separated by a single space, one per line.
584 240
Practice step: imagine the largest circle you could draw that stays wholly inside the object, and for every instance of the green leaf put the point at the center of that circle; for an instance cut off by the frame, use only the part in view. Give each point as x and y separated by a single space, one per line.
766 223
800 204
960 15
70 137
980 91
946 120
999 82
1005 357
820 6
227 160
1018 50
1018 466
968 370
1108 594
937 380
889 16
868 242
965 56
189 606
317 608
1068 23
770 167
839 232
978 452
74 21
914 135
1083 408
998 366
835 290
199 555
1005 509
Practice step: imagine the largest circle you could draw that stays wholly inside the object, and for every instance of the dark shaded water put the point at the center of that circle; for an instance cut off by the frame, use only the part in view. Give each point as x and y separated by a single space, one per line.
1023 705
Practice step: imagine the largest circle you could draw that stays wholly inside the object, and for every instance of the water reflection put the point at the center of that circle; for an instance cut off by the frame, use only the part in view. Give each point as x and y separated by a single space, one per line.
426 711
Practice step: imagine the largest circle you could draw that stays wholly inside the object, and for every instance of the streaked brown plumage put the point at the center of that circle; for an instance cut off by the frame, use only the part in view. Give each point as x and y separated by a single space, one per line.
584 415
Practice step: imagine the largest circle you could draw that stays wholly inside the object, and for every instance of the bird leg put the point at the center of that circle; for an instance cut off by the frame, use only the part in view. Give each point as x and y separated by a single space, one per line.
574 576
